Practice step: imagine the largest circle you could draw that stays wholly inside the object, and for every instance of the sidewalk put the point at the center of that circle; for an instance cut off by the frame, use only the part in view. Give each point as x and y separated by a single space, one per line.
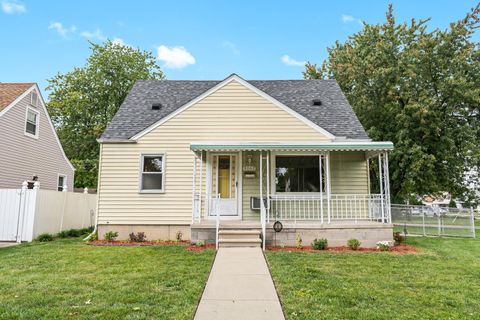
239 287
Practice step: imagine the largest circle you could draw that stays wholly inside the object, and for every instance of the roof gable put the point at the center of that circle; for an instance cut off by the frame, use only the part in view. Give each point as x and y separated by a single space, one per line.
335 116
9 92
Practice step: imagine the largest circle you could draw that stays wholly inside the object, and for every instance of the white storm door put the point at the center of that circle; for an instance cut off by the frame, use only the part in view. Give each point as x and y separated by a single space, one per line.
224 183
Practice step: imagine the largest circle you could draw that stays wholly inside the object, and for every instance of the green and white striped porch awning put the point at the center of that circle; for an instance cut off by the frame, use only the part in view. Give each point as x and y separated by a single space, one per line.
292 146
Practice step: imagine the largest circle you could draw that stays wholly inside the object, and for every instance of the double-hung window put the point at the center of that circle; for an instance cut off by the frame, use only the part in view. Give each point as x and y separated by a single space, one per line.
31 122
152 173
298 174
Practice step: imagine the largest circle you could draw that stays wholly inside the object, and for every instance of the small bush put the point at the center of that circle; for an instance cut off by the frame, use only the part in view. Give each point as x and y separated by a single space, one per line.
62 234
45 237
299 241
137 237
200 243
179 235
398 238
320 244
111 235
94 237
384 245
353 244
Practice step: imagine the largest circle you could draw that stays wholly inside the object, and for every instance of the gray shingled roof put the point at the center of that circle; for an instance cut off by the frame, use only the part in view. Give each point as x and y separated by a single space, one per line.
334 114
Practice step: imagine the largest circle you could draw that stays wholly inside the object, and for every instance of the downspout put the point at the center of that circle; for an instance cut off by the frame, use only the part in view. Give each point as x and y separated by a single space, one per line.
98 194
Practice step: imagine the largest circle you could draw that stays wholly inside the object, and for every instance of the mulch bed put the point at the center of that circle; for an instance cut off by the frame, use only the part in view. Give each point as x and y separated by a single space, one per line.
126 243
402 249
196 248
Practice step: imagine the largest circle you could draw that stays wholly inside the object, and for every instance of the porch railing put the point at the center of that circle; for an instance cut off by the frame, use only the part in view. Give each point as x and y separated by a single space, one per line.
371 207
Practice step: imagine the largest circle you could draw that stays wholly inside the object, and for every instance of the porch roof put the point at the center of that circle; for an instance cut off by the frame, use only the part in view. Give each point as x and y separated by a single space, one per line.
292 146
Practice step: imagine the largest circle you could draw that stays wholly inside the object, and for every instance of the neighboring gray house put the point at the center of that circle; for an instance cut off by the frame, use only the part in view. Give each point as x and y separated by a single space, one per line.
29 145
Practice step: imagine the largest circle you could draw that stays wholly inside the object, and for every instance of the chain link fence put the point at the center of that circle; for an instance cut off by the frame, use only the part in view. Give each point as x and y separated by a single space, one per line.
433 221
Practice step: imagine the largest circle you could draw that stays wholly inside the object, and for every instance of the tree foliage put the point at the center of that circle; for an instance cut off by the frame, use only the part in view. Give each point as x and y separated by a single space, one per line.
83 101
419 88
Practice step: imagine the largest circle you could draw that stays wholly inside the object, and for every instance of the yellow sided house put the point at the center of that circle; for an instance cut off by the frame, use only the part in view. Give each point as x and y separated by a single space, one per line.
242 163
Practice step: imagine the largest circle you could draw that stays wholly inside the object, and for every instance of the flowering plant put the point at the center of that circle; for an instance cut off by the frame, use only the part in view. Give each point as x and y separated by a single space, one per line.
384 245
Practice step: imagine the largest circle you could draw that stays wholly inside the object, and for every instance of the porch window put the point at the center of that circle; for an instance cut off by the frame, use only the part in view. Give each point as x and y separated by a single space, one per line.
298 174
153 173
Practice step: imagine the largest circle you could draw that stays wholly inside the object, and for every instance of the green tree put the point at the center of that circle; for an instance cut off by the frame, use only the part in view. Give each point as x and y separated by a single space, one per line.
419 88
84 100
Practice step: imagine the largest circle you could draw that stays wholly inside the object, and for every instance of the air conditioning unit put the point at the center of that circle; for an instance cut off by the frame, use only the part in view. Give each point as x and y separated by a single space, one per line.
255 203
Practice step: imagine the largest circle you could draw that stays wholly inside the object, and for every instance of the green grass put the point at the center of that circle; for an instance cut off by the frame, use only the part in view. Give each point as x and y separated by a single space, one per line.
443 282
55 280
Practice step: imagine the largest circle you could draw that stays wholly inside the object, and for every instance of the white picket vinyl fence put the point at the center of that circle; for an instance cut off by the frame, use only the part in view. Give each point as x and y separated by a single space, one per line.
26 213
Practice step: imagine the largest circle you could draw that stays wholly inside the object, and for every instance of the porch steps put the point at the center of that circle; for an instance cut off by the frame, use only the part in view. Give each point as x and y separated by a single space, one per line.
238 238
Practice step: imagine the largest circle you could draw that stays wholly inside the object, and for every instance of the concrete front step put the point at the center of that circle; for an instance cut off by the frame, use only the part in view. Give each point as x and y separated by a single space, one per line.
239 234
229 243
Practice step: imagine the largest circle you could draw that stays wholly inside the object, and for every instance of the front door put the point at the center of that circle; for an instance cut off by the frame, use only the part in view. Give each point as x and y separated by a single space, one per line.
224 184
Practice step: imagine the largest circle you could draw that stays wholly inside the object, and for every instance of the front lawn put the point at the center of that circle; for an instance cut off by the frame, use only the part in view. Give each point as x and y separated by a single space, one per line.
67 279
442 282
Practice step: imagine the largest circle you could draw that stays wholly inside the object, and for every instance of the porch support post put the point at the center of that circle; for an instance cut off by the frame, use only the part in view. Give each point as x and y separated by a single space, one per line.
387 188
380 173
194 185
320 157
268 186
201 187
327 167
261 178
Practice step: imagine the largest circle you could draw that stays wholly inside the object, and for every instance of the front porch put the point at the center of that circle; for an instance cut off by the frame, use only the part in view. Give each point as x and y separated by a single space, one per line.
315 190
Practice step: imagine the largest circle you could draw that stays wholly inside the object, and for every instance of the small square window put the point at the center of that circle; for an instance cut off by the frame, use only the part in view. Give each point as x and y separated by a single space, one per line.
31 122
152 174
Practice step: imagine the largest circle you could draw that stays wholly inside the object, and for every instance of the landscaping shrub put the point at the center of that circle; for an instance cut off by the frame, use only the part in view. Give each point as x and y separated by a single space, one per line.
137 237
111 235
353 244
45 237
200 243
320 244
299 241
62 234
179 236
384 245
398 238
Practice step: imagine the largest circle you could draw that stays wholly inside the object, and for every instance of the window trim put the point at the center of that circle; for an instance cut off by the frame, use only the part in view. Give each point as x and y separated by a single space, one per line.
37 125
289 154
64 181
142 158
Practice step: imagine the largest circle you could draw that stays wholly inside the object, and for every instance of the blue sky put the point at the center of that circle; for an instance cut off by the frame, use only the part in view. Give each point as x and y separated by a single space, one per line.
193 39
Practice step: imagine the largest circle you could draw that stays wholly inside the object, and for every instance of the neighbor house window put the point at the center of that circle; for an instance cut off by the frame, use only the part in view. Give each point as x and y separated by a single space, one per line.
31 122
153 172
298 174
62 180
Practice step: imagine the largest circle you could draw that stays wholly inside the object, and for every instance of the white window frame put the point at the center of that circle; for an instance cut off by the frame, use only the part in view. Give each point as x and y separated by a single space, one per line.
37 125
273 175
164 161
64 180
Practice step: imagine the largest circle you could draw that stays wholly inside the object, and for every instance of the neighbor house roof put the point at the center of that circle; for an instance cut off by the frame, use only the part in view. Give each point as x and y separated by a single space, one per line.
11 91
334 115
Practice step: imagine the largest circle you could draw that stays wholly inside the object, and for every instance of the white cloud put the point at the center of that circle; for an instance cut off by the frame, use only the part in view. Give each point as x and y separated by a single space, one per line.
175 57
13 6
61 30
97 34
346 18
118 41
292 62
230 45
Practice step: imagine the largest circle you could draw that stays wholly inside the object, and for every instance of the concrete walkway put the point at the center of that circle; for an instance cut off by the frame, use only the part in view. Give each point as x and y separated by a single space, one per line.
8 244
239 287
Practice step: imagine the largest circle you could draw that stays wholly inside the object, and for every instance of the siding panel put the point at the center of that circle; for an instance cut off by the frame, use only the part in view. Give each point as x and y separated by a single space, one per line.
22 157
